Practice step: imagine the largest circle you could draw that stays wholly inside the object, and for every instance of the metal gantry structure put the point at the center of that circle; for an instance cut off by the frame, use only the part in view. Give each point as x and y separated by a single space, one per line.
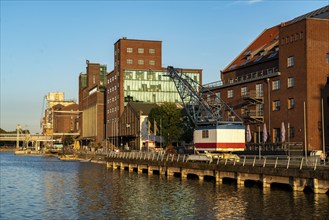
203 106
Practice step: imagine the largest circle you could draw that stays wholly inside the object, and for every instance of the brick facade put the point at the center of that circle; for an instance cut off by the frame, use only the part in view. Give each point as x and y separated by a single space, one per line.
298 77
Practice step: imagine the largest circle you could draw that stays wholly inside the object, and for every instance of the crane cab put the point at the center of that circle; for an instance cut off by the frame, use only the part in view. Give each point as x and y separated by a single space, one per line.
221 138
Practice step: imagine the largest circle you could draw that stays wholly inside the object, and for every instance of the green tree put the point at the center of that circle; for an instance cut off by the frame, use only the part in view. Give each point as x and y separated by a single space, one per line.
170 118
68 140
188 127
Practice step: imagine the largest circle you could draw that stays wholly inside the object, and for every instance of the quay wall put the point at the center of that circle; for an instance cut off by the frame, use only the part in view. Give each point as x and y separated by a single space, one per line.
315 178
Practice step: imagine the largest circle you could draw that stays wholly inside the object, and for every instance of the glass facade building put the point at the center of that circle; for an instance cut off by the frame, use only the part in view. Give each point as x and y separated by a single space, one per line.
152 86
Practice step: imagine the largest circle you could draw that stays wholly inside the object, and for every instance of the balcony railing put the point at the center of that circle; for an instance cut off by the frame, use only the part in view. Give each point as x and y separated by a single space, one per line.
253 114
270 72
253 94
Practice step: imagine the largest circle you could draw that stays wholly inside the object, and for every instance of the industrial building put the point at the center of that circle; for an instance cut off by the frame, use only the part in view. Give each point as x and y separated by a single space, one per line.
92 86
61 116
279 85
138 76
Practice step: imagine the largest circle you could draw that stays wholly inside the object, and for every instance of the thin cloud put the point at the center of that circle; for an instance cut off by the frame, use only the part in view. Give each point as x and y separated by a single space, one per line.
249 2
253 1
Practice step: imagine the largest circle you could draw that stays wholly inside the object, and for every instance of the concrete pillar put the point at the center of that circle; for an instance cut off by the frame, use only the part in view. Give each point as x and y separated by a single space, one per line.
321 186
183 174
169 172
139 169
266 182
219 180
116 165
239 181
299 184
122 166
130 168
162 170
149 171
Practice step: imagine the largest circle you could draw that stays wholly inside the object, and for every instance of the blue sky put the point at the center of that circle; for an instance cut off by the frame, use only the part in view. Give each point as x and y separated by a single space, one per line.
44 44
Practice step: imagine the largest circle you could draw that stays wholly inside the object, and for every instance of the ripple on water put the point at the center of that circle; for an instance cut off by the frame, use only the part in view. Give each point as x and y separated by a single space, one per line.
47 188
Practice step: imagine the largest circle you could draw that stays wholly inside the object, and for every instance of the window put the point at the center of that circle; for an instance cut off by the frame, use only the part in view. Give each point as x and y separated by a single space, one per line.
129 50
273 54
129 61
291 103
259 90
141 62
205 133
291 82
327 58
244 91
152 62
140 50
259 109
301 35
277 135
230 93
276 105
276 85
152 51
290 61
291 132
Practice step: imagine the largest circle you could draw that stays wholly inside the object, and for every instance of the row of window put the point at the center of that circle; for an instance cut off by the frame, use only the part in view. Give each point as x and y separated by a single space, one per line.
113 99
276 134
140 50
259 88
111 79
153 75
140 62
276 104
111 110
292 38
111 89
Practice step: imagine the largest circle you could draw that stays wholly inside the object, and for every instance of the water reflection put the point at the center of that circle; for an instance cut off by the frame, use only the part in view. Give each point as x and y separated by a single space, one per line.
46 188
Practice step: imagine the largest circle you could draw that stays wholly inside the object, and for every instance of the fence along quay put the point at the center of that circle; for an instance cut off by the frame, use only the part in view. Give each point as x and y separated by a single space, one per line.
296 172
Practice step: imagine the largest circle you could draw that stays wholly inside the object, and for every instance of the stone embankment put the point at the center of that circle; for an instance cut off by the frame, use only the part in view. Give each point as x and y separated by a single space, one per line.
298 173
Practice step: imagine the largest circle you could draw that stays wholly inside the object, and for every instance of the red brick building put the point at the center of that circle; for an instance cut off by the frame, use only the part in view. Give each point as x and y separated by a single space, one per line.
280 78
66 119
61 116
91 103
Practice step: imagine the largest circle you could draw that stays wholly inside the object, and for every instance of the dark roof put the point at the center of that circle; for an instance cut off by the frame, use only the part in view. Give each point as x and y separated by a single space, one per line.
321 13
145 108
263 48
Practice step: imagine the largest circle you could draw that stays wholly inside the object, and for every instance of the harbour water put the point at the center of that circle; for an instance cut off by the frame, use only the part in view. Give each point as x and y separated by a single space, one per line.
47 188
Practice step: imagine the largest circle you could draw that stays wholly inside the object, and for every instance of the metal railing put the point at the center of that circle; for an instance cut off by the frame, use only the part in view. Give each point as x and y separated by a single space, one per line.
244 160
246 77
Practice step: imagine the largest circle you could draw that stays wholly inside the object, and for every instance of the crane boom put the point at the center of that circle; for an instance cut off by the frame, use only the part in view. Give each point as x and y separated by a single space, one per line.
203 110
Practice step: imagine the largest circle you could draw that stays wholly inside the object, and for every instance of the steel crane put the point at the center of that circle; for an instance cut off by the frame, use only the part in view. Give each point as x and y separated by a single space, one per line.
217 127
